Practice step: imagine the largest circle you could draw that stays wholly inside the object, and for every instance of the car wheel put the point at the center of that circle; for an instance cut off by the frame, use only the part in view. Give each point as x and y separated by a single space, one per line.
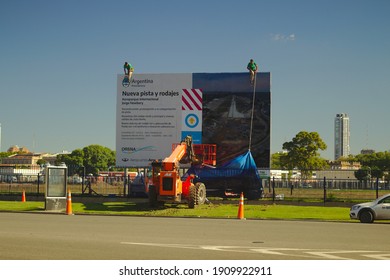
366 216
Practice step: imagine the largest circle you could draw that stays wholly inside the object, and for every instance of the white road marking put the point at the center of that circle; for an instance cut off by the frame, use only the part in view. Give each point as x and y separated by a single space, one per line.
331 254
291 252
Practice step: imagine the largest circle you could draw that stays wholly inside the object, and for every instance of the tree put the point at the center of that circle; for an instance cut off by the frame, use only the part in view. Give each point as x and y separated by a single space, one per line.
378 165
275 161
381 160
41 161
6 154
97 158
94 158
350 158
302 153
363 174
73 161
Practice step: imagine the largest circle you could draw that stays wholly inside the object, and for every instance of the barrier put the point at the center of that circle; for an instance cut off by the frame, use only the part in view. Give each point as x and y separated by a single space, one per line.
24 196
241 208
69 204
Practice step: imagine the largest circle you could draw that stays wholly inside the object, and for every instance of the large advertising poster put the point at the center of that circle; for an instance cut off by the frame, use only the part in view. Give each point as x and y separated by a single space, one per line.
227 114
149 116
155 111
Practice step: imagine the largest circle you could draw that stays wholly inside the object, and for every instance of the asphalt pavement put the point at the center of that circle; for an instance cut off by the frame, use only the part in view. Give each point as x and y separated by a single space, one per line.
27 236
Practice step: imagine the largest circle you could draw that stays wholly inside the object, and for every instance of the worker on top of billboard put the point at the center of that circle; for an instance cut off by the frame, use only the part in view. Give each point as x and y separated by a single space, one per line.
252 67
128 69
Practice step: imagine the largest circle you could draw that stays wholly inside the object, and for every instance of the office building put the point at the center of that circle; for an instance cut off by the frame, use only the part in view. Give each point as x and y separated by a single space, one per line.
341 136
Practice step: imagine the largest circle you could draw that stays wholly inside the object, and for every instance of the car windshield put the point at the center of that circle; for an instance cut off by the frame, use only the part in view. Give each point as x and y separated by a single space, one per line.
384 199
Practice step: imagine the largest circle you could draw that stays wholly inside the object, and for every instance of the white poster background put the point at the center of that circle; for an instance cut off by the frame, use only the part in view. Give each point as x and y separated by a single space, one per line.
148 117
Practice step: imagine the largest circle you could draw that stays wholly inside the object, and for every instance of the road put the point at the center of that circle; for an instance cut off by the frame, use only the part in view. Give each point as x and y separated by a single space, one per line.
26 236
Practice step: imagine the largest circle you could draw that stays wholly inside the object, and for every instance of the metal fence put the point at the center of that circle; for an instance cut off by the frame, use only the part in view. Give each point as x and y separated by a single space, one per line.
274 189
35 184
330 183
325 189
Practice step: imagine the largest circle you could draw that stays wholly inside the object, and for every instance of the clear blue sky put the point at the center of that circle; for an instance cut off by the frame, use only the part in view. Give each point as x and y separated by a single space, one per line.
59 61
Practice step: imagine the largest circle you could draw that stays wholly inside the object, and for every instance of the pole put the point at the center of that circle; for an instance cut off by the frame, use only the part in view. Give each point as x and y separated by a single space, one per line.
83 180
253 109
324 190
273 189
377 187
39 178
125 183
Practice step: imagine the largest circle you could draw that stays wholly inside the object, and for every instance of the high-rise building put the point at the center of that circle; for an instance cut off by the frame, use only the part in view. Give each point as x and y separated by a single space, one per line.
341 136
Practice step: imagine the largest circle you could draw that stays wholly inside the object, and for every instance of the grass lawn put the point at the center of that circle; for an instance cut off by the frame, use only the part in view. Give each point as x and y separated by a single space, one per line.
288 212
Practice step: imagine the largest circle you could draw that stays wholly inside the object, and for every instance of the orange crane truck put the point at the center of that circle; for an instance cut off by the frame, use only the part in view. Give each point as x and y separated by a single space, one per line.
167 186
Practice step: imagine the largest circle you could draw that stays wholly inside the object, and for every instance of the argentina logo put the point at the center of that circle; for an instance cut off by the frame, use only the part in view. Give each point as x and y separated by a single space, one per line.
126 81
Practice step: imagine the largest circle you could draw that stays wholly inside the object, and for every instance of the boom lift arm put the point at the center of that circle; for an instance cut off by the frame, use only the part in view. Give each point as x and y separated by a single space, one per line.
167 184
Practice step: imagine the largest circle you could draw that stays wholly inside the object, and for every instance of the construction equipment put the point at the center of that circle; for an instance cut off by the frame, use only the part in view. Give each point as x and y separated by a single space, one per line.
231 178
167 185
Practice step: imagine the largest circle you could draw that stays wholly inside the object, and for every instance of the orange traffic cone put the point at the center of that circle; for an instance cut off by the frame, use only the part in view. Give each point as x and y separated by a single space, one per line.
69 204
24 196
241 208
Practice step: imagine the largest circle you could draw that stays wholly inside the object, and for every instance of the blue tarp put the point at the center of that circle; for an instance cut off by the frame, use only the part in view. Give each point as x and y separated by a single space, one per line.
243 165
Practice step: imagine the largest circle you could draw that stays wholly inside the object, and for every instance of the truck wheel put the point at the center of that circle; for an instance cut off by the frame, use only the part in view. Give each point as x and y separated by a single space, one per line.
192 199
152 196
366 216
200 193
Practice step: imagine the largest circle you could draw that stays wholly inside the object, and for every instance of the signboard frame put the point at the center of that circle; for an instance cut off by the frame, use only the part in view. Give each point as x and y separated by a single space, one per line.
56 188
155 111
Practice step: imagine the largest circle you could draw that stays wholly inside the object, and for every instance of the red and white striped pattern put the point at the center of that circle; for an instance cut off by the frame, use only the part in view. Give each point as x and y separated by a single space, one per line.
192 100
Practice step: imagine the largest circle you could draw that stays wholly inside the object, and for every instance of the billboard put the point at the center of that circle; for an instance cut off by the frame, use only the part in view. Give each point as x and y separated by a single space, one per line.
155 111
